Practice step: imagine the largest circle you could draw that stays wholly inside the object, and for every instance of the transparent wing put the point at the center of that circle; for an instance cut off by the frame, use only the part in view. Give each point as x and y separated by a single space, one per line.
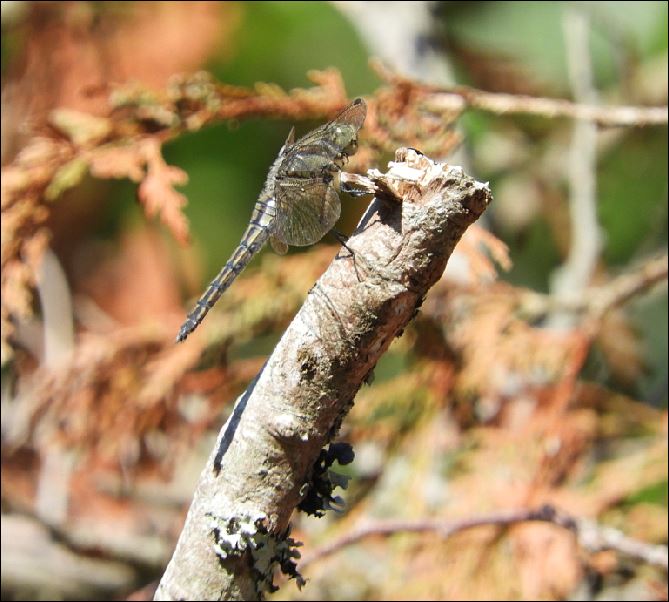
353 115
307 204
307 209
278 246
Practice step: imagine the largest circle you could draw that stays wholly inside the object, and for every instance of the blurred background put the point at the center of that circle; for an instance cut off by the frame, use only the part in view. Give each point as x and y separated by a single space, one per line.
136 137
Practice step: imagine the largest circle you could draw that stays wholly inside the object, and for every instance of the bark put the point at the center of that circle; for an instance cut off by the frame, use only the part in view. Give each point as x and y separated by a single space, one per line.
236 528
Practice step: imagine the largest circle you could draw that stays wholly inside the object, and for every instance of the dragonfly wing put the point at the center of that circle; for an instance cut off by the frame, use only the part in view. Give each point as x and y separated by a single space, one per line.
307 209
278 246
324 149
353 115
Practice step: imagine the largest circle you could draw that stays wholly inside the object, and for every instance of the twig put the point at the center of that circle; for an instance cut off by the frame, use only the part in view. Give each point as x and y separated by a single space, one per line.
585 241
56 305
627 286
596 538
459 98
259 470
596 301
550 108
589 534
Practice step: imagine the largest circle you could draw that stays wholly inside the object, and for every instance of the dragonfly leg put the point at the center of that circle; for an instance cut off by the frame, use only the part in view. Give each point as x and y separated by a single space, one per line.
343 239
349 188
340 160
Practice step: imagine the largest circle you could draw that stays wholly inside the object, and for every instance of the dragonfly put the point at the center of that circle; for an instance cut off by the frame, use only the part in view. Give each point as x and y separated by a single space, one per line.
299 202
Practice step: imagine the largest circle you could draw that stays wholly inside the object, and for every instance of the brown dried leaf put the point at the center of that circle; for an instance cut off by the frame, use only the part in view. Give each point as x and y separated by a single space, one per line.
621 346
81 128
14 218
164 371
396 117
548 561
118 161
479 245
33 249
39 150
17 280
157 194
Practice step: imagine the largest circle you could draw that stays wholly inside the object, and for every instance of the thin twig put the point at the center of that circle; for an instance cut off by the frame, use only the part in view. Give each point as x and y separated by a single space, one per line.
596 301
596 538
459 98
551 108
56 305
589 534
585 241
627 286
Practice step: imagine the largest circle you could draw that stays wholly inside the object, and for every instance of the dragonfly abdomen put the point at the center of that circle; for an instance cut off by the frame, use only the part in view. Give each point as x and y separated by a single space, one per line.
254 238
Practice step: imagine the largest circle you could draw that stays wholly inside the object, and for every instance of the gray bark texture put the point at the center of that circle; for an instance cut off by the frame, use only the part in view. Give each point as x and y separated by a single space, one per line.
236 528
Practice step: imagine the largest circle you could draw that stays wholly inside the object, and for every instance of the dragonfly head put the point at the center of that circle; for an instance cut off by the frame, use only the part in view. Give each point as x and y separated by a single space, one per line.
345 137
343 130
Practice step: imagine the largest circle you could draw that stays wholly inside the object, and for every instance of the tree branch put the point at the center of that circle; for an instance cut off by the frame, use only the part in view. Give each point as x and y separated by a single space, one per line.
597 300
590 535
552 108
459 98
237 525
574 275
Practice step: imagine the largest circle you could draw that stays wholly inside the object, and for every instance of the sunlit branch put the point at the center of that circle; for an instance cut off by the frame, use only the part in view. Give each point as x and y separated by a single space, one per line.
551 108
459 98
260 468
596 301
575 274
590 535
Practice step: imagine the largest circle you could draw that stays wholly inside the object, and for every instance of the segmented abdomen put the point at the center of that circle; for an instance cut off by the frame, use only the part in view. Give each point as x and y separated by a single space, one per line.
254 238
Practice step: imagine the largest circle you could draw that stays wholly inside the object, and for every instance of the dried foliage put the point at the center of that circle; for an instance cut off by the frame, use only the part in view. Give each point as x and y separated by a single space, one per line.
480 408
126 144
527 434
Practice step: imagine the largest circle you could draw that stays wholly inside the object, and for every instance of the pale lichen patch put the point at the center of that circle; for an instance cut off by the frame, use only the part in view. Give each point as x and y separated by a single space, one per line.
235 536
